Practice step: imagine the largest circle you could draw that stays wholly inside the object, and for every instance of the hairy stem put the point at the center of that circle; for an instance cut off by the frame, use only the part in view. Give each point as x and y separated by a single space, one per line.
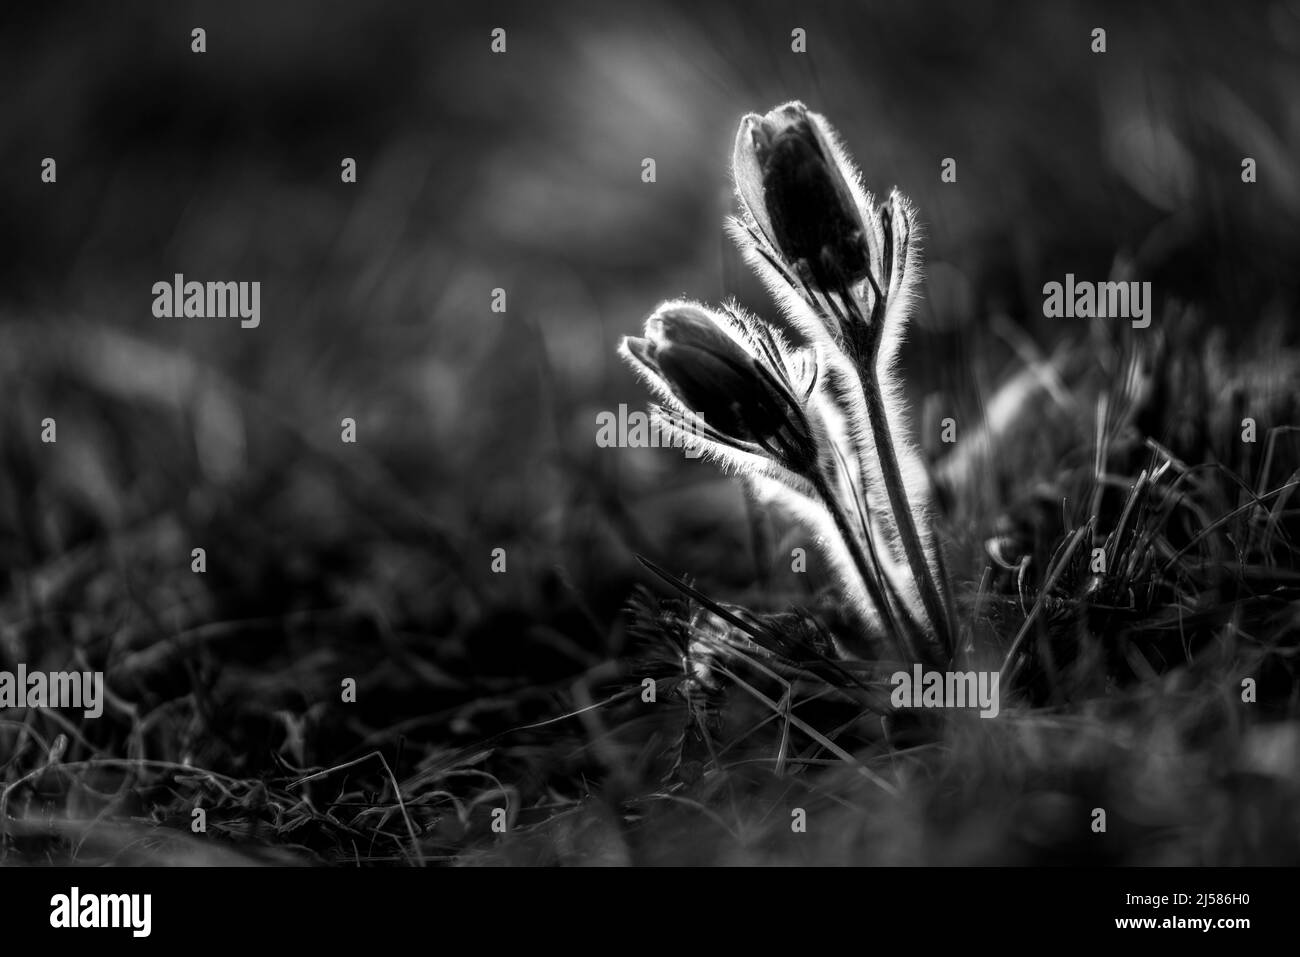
868 570
935 606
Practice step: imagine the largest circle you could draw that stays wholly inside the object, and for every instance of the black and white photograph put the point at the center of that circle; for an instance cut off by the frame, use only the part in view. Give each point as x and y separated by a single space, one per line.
678 435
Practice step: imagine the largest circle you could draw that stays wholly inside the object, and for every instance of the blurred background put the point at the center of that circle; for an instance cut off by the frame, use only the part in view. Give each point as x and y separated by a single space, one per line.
476 430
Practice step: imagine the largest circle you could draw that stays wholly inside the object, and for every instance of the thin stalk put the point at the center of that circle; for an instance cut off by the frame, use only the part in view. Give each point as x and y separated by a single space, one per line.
935 607
864 568
865 355
863 511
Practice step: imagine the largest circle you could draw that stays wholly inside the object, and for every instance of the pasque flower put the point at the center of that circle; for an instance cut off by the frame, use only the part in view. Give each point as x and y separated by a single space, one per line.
790 182
820 425
853 264
690 357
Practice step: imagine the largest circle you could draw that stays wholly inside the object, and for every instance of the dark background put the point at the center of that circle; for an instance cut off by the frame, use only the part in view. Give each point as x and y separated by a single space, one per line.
521 171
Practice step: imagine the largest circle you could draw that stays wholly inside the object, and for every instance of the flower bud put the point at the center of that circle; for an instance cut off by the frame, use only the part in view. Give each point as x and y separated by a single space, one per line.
791 183
710 374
